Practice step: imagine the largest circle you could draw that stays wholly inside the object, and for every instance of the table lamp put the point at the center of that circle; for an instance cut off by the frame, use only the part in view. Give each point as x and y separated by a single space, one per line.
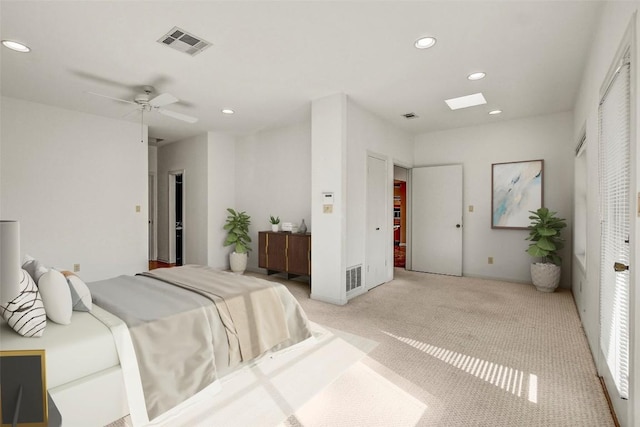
9 261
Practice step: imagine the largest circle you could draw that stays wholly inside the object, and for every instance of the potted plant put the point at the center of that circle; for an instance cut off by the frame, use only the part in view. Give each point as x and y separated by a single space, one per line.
237 227
544 233
274 222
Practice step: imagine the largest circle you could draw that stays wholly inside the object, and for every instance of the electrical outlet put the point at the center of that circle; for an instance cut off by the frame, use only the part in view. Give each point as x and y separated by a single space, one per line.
76 268
490 260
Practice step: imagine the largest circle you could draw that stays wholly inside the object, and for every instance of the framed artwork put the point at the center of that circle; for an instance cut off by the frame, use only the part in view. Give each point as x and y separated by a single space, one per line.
516 189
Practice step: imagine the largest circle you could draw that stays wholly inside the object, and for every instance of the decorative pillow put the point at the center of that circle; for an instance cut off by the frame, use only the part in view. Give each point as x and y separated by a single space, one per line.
25 313
80 293
56 296
34 267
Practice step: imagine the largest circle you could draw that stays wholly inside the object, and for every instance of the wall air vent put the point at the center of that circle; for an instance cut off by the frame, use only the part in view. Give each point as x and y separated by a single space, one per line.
410 116
183 41
354 277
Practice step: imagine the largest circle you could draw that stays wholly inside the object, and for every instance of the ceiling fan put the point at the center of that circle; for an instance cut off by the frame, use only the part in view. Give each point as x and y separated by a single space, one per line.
144 102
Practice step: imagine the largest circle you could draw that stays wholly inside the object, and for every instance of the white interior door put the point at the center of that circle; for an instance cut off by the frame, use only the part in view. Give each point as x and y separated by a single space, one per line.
377 237
436 219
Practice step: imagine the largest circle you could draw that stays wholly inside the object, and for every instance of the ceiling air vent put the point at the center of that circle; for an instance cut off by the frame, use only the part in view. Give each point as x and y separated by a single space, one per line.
183 41
410 116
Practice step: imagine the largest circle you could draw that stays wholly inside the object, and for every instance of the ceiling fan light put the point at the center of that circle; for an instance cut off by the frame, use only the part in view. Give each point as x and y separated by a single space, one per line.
425 42
228 111
17 46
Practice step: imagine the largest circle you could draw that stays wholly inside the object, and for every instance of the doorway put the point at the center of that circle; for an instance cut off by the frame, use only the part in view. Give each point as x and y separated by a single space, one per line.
179 220
177 208
400 216
617 224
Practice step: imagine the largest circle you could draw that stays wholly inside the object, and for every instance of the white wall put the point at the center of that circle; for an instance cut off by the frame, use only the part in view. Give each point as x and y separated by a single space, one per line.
190 155
614 20
273 177
73 180
153 200
476 148
368 134
221 194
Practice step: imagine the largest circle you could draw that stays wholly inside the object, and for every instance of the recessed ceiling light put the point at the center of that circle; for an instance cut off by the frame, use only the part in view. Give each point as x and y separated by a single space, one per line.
425 42
476 76
466 101
494 112
227 111
18 47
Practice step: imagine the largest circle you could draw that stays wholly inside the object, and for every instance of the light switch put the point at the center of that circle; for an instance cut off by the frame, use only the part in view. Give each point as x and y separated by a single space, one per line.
137 208
470 208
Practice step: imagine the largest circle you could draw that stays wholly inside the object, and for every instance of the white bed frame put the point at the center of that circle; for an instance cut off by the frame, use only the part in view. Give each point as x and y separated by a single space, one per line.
84 376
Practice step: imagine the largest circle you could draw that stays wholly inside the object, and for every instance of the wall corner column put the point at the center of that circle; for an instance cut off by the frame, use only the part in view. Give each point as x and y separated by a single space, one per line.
329 175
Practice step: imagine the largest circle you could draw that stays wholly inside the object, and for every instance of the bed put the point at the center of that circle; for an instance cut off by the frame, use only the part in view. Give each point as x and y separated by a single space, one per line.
156 339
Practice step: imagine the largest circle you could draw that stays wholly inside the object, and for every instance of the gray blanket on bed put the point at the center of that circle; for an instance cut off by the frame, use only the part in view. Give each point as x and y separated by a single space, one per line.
251 311
184 339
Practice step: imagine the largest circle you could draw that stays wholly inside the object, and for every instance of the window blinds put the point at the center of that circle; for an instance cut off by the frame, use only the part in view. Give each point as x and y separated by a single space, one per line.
614 119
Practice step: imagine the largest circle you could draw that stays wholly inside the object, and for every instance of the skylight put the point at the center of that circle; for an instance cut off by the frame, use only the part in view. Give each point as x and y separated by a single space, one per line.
466 101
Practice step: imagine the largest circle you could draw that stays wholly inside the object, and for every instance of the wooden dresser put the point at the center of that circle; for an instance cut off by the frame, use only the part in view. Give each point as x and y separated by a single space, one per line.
284 252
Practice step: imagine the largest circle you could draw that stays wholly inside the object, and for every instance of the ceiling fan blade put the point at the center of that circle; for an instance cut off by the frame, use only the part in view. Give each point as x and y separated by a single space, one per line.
103 80
132 112
178 116
162 100
111 97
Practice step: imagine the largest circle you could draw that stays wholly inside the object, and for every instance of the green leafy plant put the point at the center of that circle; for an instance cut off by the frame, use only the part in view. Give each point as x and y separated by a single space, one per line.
237 227
544 232
275 220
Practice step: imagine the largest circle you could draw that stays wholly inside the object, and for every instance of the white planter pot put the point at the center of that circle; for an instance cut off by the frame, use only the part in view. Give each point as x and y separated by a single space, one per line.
274 227
238 262
545 276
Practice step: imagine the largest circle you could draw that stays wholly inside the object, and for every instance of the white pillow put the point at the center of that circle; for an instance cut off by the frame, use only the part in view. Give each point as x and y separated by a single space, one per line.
34 267
25 313
56 296
80 293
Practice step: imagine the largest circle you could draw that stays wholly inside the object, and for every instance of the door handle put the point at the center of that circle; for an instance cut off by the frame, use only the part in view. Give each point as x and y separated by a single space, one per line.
618 266
458 226
377 228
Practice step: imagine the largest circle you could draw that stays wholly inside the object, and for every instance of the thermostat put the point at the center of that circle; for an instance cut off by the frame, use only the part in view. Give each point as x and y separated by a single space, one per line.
327 198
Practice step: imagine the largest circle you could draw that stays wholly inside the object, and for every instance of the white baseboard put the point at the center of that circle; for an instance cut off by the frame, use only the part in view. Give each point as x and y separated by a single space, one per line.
326 299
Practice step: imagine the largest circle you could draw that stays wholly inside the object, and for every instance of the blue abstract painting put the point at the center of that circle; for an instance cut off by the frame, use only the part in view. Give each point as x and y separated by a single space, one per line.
517 189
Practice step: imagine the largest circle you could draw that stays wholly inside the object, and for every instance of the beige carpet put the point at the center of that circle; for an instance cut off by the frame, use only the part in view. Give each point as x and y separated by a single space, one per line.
472 352
442 351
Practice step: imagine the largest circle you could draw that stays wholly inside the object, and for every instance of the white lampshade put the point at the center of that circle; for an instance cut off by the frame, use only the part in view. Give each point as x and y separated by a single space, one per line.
9 261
